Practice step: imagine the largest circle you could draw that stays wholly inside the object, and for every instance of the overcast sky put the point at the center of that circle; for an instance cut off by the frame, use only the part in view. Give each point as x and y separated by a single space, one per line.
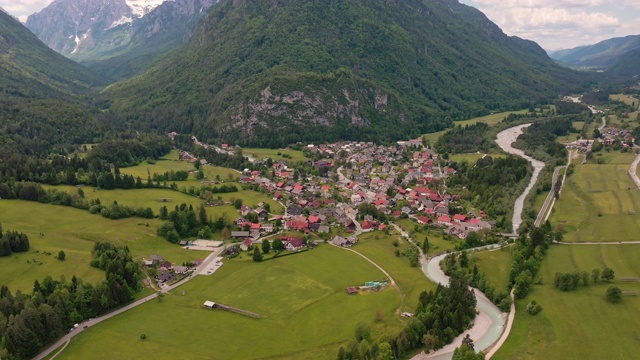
554 24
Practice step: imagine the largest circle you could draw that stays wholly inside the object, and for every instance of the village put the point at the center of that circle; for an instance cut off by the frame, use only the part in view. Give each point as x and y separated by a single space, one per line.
361 187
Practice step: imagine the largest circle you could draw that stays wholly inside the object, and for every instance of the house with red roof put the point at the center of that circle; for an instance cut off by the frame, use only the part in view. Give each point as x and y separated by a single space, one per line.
246 244
424 220
444 220
459 218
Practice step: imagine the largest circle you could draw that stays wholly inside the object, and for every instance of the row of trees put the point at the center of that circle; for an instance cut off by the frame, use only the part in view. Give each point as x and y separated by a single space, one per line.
571 281
439 317
30 321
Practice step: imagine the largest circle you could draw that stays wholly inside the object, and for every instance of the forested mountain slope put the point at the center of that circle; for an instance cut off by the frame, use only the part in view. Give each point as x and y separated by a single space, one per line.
44 96
279 71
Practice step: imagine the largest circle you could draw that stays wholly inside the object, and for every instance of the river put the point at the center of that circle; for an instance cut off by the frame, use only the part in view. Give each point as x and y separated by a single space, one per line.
504 140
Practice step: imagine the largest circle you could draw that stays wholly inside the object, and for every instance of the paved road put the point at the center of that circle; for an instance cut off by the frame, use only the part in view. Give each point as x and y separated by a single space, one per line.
633 171
89 323
488 324
504 139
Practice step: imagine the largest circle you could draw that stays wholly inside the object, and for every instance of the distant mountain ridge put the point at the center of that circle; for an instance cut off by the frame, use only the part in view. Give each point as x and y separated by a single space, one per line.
602 55
274 72
116 38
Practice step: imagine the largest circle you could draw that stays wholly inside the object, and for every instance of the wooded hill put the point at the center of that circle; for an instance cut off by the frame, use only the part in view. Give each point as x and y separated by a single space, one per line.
44 96
269 73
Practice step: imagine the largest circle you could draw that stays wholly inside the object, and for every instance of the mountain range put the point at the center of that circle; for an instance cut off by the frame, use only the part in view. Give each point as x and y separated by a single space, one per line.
274 72
602 55
116 38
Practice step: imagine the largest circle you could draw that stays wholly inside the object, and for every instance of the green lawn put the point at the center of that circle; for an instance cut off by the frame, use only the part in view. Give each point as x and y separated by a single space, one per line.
436 242
579 324
74 231
599 202
379 247
257 153
305 313
491 119
496 265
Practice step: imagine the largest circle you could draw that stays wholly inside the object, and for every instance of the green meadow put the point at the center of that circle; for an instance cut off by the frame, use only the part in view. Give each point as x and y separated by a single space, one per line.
579 324
305 313
495 265
599 202
627 99
295 155
74 231
379 247
436 242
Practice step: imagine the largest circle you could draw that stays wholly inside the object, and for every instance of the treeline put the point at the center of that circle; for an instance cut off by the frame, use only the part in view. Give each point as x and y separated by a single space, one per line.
528 253
13 241
460 264
571 281
35 192
91 170
467 139
492 184
439 317
566 107
131 151
31 321
183 222
179 175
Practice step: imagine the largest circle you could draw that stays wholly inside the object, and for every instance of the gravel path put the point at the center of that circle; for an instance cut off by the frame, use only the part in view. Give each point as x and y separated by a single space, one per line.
504 140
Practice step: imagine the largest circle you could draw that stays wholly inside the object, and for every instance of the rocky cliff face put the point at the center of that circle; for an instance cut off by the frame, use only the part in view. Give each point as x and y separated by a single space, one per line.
73 26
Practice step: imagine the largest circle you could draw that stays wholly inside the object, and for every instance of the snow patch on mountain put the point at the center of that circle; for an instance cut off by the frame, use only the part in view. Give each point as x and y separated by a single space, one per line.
140 8
123 20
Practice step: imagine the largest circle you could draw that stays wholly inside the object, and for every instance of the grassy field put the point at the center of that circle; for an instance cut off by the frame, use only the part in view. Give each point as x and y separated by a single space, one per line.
491 119
495 265
74 231
155 199
579 324
436 242
599 202
627 99
296 155
473 158
379 248
304 310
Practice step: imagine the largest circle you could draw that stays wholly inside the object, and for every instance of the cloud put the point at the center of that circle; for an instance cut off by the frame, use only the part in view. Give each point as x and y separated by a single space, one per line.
558 24
23 8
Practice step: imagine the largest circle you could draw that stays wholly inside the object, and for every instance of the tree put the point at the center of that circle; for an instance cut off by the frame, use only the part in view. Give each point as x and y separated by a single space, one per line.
266 246
595 276
385 352
614 294
143 336
202 215
608 274
257 256
278 245
464 259
425 245
237 204
61 255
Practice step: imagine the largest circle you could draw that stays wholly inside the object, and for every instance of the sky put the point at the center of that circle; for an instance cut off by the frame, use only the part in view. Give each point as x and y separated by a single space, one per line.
562 24
554 24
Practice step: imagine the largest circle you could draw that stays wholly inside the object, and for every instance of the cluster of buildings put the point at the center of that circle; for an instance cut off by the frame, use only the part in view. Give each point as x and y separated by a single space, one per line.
165 270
